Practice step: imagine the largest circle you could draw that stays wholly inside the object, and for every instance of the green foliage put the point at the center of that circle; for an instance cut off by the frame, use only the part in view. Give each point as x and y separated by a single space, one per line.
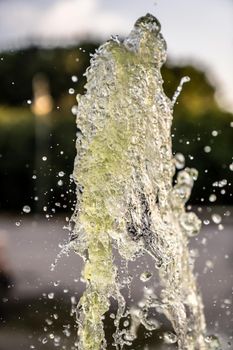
22 147
21 155
17 70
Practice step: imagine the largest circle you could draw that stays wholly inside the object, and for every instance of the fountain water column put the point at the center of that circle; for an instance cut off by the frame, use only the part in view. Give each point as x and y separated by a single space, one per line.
124 170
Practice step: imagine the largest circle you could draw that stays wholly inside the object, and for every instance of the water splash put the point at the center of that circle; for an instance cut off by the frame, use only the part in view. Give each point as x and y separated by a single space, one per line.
124 172
183 80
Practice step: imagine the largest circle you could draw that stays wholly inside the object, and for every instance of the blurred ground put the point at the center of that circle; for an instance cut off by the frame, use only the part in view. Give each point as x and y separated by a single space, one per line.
33 246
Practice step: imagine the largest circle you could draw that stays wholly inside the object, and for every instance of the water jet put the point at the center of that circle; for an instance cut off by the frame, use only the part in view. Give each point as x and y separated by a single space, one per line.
127 198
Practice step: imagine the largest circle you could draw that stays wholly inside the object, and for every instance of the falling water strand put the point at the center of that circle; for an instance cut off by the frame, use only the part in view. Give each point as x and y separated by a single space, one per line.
124 173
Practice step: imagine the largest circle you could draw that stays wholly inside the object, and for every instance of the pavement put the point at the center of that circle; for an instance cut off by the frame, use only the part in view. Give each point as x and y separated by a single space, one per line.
33 246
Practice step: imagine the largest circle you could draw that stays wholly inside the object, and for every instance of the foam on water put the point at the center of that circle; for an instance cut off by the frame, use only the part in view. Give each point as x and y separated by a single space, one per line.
124 172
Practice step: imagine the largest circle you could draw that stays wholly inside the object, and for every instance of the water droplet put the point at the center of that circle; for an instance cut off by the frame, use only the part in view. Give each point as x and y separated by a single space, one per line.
66 332
74 109
44 340
51 295
129 337
61 173
220 183
190 223
48 321
206 222
26 209
231 166
227 301
194 173
145 276
214 133
207 149
216 218
60 183
169 338
18 223
71 91
213 342
209 264
212 198
44 158
57 339
74 78
179 161
184 178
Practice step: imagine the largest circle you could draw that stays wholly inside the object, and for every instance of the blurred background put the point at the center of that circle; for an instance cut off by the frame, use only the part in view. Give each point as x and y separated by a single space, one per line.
45 48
